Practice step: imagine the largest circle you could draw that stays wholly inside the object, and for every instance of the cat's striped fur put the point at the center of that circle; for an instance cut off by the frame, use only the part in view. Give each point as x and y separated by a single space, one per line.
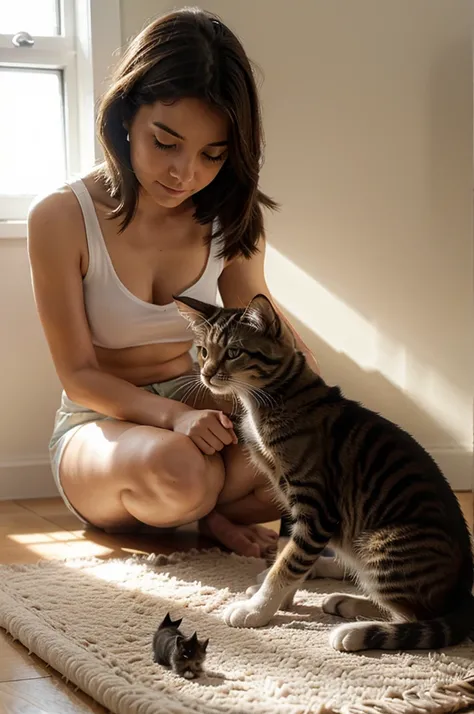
346 475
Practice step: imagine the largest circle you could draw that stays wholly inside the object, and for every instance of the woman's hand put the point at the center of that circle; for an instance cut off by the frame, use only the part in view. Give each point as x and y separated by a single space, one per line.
209 429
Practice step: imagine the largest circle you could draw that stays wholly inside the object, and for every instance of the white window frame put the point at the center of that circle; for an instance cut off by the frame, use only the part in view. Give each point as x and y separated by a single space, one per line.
85 54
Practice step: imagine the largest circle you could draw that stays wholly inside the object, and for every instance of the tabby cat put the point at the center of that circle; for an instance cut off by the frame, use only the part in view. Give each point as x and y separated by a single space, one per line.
344 474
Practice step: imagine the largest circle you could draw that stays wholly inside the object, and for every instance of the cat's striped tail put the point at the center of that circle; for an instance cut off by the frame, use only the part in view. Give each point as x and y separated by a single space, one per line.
432 634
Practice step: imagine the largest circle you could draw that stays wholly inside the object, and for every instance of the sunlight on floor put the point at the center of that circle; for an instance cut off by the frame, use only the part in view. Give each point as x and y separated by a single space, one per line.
134 551
35 538
71 544
348 332
60 544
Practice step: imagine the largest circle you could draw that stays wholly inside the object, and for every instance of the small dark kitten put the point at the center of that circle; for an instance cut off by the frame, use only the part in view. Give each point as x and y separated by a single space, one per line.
185 655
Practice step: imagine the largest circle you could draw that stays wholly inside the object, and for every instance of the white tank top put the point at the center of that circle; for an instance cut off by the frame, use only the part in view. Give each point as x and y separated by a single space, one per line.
116 317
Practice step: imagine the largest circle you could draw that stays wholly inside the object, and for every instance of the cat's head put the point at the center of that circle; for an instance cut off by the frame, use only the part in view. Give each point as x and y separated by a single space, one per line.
237 347
191 650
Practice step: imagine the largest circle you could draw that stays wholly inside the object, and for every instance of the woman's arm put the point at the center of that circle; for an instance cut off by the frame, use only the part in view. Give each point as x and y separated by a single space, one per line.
244 278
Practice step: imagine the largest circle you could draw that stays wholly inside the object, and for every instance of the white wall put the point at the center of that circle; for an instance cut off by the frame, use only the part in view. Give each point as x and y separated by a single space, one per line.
368 118
29 389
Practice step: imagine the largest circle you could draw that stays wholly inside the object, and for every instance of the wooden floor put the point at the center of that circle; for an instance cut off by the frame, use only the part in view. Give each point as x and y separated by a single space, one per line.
44 529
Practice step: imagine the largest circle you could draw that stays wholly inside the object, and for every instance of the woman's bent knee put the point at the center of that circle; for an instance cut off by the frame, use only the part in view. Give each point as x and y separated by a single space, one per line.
182 482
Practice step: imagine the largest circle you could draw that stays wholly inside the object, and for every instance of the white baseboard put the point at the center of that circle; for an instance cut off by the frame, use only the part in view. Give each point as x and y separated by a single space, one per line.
28 478
32 478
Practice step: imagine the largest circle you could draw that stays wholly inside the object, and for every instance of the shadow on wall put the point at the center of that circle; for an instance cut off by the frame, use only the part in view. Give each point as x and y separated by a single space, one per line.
382 396
331 325
377 392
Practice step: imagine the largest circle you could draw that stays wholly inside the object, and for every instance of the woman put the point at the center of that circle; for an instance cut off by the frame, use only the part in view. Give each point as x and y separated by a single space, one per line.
175 209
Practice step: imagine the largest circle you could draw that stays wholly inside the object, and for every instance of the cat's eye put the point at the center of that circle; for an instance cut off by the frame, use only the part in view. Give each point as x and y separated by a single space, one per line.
233 353
203 352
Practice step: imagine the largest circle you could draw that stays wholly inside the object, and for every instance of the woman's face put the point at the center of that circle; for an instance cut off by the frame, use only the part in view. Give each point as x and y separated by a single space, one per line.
177 149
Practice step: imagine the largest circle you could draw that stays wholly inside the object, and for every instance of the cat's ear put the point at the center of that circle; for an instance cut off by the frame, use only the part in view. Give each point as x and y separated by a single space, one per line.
262 316
195 311
167 622
179 640
204 644
193 639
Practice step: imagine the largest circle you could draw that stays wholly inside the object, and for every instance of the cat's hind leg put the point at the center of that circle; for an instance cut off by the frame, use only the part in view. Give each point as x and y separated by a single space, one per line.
350 606
324 567
327 567
421 585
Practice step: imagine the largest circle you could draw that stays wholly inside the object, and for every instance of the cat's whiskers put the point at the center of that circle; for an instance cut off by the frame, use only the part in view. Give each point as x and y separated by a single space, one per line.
202 391
250 392
257 397
235 401
191 386
260 396
186 380
186 398
186 377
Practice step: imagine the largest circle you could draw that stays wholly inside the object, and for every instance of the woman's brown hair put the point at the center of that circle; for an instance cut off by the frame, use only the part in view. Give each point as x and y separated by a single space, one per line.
191 53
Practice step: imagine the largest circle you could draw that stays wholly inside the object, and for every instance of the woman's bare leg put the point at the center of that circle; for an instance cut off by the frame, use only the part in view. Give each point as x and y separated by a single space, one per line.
244 500
117 474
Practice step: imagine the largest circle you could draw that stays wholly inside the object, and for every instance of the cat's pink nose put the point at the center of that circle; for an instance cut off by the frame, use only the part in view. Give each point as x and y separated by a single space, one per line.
208 375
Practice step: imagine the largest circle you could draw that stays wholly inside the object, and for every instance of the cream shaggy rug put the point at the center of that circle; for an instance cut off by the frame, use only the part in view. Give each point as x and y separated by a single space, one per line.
93 621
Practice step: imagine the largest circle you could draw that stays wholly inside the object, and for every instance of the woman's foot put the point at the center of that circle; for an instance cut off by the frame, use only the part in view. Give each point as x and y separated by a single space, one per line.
256 541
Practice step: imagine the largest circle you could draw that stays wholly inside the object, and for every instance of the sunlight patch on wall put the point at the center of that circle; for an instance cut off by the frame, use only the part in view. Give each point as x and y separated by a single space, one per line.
348 332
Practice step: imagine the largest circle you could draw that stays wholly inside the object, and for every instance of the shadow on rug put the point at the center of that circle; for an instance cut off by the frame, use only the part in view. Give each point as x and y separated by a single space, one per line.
93 621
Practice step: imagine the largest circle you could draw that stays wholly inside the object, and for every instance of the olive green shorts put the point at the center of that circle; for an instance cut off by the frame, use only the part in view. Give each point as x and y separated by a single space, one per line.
71 416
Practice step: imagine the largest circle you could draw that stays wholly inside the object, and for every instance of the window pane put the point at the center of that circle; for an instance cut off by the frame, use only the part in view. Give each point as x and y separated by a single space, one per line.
38 17
32 152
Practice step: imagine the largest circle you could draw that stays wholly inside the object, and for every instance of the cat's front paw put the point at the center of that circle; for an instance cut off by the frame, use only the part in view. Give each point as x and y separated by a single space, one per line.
246 613
286 603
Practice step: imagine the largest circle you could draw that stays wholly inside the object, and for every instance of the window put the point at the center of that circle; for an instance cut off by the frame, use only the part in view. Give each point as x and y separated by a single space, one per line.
54 57
38 89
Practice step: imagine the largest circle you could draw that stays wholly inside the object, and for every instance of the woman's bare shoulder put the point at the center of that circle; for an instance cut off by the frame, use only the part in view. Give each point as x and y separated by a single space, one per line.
62 206
51 218
47 205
